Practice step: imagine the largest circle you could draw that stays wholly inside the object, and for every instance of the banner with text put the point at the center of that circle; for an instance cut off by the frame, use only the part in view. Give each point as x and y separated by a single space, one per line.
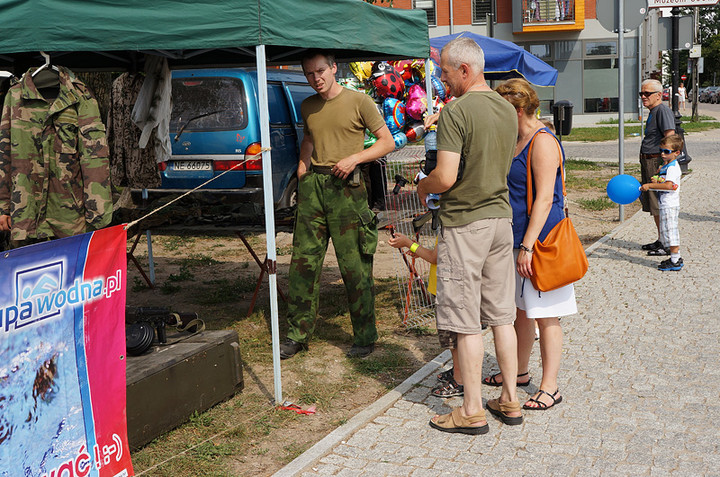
62 372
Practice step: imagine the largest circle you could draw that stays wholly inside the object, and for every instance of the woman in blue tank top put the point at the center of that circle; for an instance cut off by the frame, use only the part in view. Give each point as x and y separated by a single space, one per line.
546 159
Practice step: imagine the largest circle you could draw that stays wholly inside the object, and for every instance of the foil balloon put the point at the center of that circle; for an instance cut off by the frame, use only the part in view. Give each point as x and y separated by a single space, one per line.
435 54
389 85
370 139
415 131
400 140
382 67
405 68
351 83
361 69
416 104
394 112
438 87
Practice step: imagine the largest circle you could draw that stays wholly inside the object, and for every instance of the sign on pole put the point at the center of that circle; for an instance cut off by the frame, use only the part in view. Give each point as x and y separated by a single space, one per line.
680 3
686 27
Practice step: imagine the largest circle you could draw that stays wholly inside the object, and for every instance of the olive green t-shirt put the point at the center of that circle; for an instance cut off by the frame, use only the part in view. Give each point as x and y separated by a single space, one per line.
337 126
482 127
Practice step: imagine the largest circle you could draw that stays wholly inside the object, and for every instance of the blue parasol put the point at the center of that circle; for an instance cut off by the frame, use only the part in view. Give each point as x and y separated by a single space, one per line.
505 60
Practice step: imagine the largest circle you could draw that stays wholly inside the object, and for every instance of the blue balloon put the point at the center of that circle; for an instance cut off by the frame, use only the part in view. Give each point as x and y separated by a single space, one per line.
400 140
623 189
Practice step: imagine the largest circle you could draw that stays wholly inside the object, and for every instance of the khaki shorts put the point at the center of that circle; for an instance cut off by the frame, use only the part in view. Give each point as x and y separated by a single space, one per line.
476 276
648 199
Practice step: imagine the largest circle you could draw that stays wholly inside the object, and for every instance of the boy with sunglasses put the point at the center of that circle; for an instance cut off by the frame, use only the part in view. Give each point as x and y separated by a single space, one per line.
666 185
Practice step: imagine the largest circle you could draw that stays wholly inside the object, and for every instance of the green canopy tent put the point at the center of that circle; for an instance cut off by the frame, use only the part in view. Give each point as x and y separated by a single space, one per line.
95 35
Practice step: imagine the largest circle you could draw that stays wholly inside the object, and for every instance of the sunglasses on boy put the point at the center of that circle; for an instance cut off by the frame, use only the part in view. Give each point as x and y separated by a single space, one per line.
666 151
647 94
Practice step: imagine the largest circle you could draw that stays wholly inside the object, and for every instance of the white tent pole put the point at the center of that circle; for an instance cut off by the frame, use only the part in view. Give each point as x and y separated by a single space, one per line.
269 214
428 87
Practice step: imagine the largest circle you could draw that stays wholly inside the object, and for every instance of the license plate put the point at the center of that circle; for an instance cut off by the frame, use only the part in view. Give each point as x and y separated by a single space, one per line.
192 165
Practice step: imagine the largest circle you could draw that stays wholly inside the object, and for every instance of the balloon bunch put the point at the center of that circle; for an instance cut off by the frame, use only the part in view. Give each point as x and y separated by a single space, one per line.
399 89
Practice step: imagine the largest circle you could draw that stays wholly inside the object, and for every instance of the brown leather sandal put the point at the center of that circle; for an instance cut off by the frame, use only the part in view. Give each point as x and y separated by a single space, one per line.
455 422
500 409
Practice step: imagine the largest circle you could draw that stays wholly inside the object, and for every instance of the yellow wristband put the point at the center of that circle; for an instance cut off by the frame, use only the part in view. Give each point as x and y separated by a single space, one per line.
414 247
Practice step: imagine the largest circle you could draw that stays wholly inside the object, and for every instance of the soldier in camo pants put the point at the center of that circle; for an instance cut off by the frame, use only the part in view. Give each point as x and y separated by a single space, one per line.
332 203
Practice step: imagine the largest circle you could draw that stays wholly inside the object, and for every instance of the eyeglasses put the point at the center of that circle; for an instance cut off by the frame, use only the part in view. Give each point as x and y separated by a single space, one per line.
666 151
647 94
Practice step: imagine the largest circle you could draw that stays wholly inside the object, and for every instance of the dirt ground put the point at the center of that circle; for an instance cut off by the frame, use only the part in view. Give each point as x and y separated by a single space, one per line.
207 269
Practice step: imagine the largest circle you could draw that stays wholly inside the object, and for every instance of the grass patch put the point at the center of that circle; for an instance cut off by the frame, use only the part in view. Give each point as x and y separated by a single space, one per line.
601 203
581 165
609 133
183 275
139 285
176 242
224 290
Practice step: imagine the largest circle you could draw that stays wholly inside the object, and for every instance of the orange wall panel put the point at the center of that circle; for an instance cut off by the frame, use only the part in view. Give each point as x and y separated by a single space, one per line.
504 11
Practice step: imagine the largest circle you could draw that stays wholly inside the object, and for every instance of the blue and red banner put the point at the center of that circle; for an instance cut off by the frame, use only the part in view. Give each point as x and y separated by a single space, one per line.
62 358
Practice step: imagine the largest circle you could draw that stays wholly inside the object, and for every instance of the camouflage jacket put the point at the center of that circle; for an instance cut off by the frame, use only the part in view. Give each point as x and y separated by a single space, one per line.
54 170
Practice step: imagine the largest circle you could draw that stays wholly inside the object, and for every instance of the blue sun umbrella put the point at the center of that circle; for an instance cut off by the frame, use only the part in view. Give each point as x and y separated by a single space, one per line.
505 60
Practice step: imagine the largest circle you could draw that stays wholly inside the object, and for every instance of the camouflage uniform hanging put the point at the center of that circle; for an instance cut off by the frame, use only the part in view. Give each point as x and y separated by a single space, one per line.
130 165
54 174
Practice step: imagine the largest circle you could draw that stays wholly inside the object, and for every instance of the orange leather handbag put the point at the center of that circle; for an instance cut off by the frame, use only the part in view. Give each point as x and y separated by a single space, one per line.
559 259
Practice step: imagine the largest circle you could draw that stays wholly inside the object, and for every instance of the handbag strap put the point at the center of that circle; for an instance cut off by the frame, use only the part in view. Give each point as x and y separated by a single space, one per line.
529 174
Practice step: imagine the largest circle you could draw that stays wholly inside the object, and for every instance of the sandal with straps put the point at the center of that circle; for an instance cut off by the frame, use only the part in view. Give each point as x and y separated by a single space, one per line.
492 380
501 409
541 406
446 376
448 390
455 422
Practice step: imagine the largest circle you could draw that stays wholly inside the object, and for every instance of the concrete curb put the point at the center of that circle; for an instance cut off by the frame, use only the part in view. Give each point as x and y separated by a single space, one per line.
321 448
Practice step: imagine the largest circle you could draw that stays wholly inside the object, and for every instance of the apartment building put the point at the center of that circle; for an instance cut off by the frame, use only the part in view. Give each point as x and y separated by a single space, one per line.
564 33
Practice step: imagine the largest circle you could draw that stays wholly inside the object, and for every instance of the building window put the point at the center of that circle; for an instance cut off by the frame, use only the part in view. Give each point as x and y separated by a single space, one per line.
544 11
429 7
480 9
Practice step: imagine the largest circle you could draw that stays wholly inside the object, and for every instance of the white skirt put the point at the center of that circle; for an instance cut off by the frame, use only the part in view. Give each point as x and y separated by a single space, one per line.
537 304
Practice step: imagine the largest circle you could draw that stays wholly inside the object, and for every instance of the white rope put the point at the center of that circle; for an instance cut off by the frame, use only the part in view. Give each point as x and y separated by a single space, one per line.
175 456
247 158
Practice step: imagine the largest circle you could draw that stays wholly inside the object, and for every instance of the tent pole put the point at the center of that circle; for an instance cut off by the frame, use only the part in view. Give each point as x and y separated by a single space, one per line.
428 87
269 215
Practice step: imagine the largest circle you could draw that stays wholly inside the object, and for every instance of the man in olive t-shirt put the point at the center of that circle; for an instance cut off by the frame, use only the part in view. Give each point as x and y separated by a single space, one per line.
475 269
332 203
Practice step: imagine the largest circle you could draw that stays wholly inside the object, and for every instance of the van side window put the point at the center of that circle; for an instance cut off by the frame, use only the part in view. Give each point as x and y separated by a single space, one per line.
279 111
298 93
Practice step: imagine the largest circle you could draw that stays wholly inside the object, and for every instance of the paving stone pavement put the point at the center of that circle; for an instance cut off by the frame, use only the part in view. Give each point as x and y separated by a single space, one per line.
639 375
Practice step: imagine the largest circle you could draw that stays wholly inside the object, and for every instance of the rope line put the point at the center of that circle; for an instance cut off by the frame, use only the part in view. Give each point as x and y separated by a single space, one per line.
179 454
247 158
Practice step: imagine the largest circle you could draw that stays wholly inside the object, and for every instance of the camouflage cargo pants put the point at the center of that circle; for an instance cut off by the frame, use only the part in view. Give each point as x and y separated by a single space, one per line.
330 208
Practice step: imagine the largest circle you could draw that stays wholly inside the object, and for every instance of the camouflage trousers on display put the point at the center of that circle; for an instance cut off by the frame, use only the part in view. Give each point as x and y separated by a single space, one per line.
328 207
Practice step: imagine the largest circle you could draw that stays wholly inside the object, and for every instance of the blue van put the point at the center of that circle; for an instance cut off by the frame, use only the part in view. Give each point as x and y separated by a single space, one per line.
215 124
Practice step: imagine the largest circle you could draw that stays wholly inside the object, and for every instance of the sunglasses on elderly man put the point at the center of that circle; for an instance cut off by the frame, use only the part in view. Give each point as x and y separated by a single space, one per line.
647 93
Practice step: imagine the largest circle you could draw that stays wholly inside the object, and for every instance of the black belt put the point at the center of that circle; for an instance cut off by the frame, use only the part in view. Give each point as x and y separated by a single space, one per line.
327 170
649 156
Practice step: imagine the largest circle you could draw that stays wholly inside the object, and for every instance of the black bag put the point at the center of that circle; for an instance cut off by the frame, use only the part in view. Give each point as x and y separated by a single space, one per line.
684 158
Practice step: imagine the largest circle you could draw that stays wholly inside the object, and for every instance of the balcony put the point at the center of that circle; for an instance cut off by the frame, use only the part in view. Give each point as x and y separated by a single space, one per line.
548 11
548 15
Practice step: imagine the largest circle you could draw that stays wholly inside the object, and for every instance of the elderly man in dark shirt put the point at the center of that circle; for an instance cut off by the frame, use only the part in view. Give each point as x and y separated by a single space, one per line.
660 123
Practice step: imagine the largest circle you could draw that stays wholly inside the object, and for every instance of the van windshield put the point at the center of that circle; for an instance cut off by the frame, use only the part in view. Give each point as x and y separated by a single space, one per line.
208 104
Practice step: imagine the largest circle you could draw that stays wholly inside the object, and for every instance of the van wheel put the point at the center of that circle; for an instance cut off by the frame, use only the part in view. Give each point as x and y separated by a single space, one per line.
288 201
